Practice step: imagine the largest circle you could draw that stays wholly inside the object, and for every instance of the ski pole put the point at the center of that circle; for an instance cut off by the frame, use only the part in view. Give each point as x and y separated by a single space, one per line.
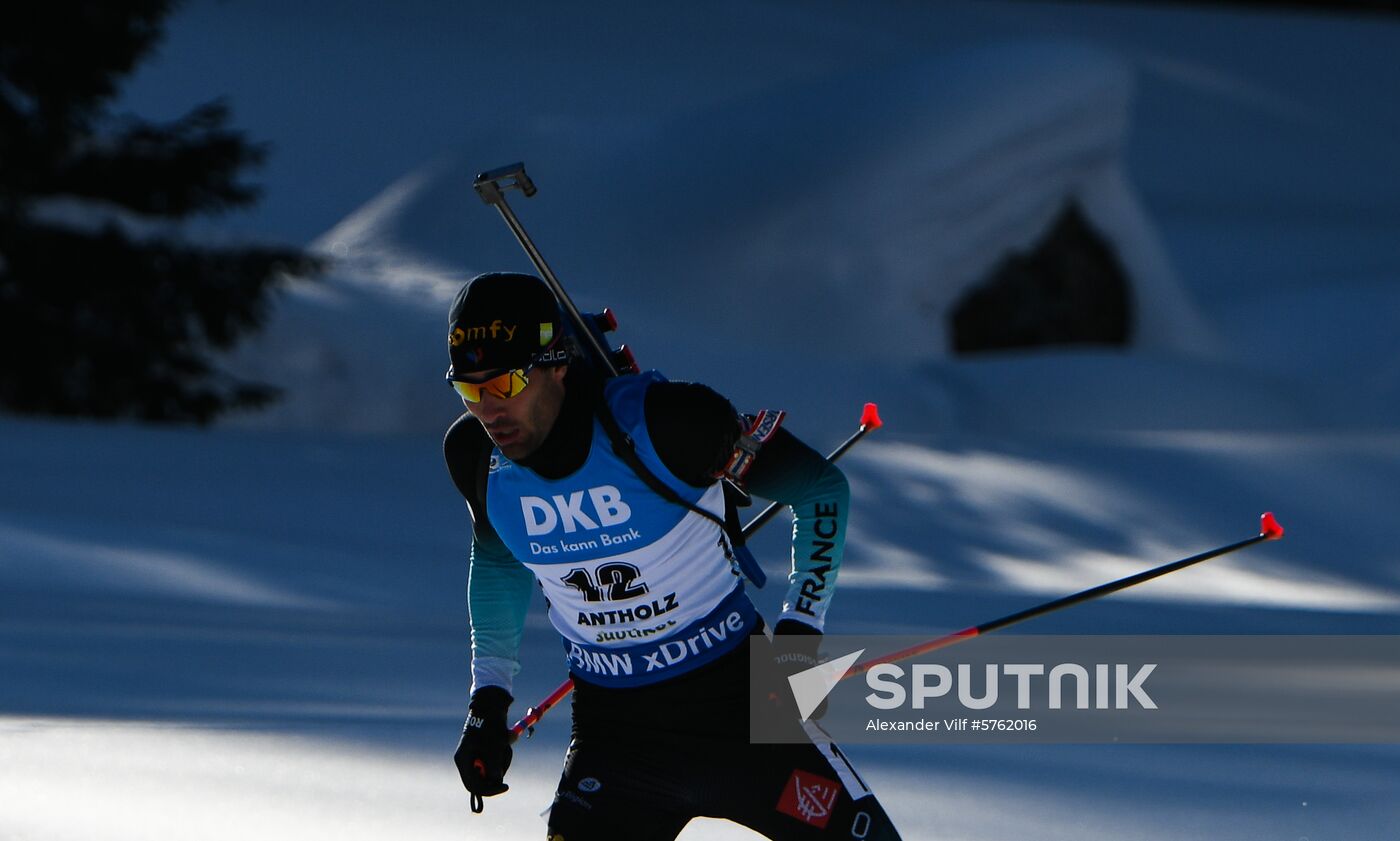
869 422
1269 530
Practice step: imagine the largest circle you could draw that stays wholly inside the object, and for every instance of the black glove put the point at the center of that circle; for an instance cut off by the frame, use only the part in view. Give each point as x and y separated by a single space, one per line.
484 754
795 647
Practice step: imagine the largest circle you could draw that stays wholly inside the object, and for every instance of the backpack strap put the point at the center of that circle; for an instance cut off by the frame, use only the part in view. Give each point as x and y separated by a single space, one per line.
738 553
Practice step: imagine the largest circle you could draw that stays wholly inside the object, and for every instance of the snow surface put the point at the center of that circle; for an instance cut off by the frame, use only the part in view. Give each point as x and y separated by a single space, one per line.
259 631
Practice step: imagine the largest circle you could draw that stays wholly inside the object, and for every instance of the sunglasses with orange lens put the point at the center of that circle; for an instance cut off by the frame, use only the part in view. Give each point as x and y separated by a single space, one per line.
503 385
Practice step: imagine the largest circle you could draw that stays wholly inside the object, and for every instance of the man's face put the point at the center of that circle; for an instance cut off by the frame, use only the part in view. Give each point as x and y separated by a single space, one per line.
518 425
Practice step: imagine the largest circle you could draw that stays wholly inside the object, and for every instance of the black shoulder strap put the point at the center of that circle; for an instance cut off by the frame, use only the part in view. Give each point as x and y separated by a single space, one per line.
626 450
738 553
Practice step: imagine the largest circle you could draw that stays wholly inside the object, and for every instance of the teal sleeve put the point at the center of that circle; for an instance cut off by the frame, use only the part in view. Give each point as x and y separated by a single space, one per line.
498 596
788 471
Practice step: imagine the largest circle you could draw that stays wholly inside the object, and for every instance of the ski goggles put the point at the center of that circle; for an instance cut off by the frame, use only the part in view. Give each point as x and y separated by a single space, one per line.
503 385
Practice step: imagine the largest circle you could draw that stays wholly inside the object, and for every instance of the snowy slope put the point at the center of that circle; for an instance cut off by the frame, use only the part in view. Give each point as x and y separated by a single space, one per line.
258 630
230 633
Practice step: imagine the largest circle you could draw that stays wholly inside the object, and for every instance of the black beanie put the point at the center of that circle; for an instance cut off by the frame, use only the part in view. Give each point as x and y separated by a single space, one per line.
503 320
